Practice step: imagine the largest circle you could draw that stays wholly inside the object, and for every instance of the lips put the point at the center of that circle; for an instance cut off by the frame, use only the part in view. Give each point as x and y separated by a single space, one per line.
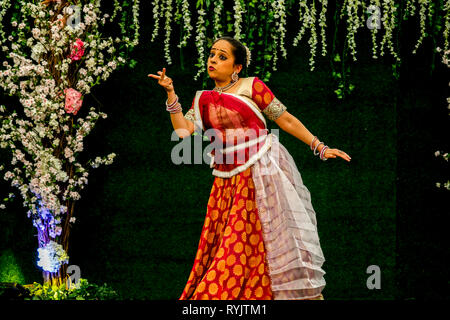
211 68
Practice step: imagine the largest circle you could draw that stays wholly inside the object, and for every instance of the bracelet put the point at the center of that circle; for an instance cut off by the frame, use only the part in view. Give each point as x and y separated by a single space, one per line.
174 109
311 144
316 148
322 152
177 109
173 103
174 106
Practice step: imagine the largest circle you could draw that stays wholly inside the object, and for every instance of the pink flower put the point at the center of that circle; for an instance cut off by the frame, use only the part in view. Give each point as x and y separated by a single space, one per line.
77 50
73 100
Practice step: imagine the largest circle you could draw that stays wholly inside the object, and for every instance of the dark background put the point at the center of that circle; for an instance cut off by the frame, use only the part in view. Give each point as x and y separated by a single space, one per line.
139 220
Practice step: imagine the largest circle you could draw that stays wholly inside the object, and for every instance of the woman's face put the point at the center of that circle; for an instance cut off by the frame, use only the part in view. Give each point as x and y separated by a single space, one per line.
221 61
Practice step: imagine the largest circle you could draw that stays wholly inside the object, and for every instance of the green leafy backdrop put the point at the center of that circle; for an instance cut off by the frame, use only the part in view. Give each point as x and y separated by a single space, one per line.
139 220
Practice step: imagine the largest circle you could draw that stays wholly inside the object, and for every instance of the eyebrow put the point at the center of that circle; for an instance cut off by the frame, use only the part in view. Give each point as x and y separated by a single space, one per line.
220 50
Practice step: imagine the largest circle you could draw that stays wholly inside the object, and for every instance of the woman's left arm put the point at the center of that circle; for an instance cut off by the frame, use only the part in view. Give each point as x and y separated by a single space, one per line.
290 124
276 111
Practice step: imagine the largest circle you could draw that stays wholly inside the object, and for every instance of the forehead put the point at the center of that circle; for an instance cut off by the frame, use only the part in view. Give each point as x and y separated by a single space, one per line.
223 46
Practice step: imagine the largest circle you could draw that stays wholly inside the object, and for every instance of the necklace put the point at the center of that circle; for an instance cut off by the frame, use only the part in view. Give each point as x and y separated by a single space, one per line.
222 89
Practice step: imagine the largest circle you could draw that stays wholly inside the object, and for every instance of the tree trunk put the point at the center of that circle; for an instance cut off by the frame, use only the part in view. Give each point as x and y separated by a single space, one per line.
60 277
57 278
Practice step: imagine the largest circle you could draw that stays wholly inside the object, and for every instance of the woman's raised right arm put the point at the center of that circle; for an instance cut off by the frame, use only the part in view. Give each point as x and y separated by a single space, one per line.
182 126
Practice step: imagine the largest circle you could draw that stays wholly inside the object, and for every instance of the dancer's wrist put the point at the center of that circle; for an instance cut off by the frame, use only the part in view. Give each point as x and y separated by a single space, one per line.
171 97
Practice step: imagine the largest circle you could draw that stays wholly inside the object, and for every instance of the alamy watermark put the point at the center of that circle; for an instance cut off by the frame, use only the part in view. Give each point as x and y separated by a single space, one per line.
75 16
74 273
374 281
233 151
374 20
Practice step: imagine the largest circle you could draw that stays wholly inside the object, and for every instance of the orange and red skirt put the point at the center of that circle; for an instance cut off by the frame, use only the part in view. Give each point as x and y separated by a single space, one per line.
231 262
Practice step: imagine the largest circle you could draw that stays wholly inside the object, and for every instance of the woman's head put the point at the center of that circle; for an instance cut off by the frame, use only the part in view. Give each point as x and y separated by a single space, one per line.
227 55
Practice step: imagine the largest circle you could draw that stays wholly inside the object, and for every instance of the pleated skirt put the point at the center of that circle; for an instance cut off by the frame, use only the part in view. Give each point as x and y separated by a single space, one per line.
259 240
230 262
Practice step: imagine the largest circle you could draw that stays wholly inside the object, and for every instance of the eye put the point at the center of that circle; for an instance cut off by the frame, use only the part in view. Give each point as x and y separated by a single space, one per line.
222 56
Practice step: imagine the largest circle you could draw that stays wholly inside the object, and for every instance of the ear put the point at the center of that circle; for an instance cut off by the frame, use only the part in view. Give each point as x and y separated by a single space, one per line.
238 68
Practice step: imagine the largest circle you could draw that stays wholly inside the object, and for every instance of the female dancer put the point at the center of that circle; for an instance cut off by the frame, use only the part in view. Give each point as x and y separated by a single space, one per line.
259 239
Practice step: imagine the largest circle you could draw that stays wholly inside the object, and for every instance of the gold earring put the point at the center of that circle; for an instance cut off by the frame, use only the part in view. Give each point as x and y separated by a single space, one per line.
234 76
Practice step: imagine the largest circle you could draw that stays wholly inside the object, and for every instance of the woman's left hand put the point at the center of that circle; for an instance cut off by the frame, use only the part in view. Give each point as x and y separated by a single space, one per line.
333 153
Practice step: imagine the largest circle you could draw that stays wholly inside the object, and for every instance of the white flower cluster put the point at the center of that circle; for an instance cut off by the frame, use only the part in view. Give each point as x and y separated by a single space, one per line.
238 11
156 15
168 28
105 160
136 26
322 25
353 24
200 40
389 21
410 9
217 26
187 27
424 5
374 24
52 256
307 14
446 25
279 10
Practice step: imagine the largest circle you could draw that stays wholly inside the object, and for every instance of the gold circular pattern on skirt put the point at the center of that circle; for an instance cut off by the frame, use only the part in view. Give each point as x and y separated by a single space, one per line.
213 288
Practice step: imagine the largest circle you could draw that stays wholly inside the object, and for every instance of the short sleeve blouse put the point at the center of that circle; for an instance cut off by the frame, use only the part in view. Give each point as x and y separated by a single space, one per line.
266 100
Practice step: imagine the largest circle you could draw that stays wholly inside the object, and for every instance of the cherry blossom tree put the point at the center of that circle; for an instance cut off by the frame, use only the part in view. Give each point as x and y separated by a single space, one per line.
54 52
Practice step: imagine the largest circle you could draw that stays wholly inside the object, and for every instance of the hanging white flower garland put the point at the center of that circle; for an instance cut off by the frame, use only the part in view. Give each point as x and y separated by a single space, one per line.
280 12
353 24
200 40
312 41
238 11
389 18
353 10
168 28
135 11
307 14
446 25
323 24
409 8
187 27
217 26
303 14
424 5
156 15
374 24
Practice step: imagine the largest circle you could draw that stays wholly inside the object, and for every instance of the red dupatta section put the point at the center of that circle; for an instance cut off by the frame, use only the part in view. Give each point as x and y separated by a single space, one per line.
234 120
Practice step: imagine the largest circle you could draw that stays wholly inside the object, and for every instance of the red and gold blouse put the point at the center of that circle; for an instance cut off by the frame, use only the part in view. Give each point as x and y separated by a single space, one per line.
234 122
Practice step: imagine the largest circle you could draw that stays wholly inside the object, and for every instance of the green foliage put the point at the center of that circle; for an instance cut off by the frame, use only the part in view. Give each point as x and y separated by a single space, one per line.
83 291
132 63
9 269
344 87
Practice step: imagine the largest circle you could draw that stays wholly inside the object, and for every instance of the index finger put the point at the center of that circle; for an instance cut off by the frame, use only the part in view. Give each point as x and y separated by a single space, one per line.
163 73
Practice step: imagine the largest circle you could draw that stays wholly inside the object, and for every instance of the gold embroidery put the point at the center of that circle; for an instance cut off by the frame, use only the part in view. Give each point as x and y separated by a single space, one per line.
274 109
190 115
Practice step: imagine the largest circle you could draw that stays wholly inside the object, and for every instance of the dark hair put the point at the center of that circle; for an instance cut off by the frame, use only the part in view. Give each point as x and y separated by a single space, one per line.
238 50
